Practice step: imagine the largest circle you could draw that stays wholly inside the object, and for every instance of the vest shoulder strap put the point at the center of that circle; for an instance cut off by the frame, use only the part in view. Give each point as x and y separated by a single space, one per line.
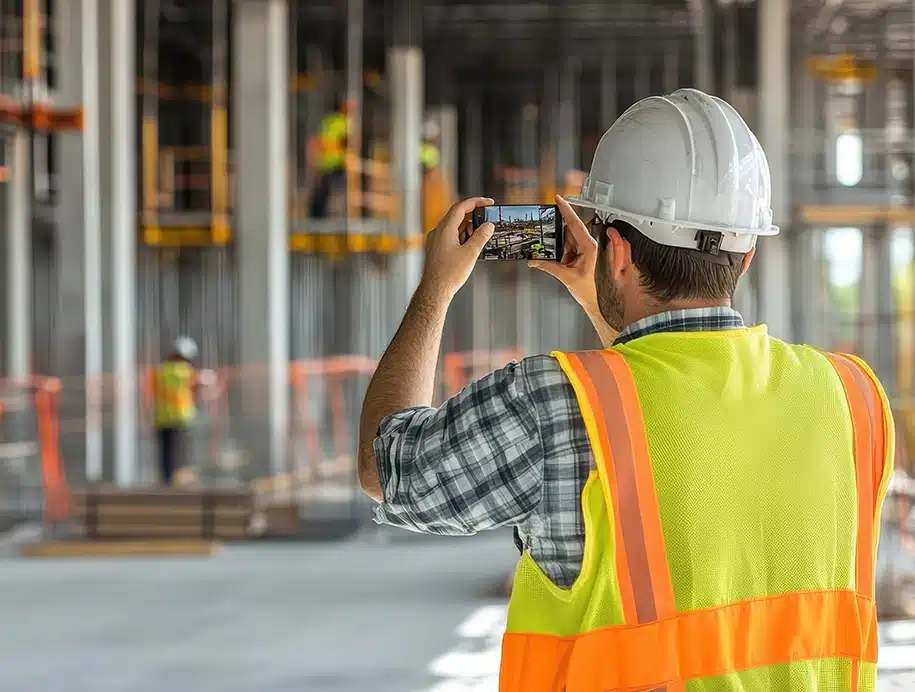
873 451
616 428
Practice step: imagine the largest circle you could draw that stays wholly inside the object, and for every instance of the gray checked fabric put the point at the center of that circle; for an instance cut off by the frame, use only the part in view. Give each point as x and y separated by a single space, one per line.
509 450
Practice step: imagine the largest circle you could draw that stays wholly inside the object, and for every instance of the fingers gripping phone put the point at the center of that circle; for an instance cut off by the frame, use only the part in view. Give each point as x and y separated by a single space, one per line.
522 231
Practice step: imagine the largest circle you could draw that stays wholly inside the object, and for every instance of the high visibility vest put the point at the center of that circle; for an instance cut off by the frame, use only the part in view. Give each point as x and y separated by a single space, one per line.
429 155
174 395
331 151
730 525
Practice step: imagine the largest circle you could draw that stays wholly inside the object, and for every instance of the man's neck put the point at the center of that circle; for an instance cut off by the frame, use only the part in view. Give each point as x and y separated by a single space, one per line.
650 310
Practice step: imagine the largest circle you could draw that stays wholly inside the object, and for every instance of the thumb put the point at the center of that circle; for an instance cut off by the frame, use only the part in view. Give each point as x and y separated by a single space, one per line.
480 237
552 268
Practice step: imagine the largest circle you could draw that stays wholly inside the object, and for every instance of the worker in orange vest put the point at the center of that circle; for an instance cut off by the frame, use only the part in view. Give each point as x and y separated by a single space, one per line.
696 505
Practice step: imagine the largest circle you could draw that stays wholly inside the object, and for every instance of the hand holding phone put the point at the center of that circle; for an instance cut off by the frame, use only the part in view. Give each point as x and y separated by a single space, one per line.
522 232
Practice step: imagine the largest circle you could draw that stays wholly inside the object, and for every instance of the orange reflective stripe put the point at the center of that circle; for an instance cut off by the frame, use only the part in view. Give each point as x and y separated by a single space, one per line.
867 422
702 643
603 455
866 410
625 461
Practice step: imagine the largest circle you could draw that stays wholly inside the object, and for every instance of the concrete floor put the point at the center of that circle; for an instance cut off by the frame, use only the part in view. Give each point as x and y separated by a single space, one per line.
368 614
350 616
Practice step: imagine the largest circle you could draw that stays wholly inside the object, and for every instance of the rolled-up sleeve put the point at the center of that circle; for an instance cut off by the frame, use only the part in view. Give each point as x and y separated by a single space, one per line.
474 463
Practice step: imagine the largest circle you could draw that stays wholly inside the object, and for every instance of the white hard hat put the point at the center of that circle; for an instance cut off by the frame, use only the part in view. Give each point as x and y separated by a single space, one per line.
186 347
430 129
673 166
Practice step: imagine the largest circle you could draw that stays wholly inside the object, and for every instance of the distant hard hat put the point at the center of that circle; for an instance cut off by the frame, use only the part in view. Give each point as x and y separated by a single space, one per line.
186 347
675 165
430 129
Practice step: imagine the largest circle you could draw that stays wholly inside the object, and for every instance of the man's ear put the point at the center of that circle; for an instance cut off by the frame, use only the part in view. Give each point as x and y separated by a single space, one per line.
620 253
747 258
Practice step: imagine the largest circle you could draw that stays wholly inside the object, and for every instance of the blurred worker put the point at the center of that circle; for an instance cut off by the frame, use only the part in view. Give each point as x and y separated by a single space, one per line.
174 393
429 154
331 157
696 503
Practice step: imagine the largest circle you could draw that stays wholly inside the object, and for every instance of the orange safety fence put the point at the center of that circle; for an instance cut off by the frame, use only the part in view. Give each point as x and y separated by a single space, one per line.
310 462
30 449
460 369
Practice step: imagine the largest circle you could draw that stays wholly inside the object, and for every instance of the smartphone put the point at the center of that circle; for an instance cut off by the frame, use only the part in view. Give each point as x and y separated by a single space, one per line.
523 231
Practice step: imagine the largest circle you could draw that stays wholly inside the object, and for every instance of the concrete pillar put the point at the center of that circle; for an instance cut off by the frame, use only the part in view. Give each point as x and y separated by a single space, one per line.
405 67
642 80
877 319
448 142
731 53
479 313
772 261
672 68
79 334
609 103
260 92
123 203
18 257
568 155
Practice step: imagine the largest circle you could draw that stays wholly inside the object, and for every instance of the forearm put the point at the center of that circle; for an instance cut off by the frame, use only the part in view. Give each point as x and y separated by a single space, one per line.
405 376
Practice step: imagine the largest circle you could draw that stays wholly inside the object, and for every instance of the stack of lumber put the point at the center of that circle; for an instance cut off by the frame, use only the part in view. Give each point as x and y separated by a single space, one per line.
166 513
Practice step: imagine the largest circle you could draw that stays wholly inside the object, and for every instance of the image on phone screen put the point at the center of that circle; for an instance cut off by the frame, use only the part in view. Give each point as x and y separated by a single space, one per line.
523 231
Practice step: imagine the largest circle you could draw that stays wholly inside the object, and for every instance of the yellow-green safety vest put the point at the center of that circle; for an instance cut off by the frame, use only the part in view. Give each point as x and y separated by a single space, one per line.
333 132
429 155
731 524
174 395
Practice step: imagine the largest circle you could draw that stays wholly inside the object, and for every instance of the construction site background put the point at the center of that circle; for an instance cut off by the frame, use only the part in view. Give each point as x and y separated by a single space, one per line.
70 387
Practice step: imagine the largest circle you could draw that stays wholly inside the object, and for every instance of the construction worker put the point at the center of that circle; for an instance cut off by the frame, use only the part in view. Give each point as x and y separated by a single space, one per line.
174 391
331 157
698 503
429 155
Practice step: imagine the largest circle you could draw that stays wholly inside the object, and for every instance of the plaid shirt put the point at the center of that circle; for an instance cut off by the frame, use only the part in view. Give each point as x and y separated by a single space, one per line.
509 450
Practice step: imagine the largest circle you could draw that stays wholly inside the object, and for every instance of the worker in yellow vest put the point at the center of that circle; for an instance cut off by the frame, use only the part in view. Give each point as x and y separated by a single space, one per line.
330 157
697 505
174 395
429 154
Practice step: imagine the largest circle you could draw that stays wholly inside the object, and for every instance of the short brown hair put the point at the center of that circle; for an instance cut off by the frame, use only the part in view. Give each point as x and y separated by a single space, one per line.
672 273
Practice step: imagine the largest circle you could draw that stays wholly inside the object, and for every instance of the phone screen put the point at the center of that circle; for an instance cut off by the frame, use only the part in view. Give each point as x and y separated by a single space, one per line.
523 231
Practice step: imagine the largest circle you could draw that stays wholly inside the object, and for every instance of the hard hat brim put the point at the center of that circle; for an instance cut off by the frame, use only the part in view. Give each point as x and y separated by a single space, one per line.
677 233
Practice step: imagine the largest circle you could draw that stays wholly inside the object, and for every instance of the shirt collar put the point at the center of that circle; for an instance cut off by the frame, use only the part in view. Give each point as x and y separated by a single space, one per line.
690 320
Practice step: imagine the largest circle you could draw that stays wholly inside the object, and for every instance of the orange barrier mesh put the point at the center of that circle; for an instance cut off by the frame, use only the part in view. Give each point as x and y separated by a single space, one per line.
460 369
30 432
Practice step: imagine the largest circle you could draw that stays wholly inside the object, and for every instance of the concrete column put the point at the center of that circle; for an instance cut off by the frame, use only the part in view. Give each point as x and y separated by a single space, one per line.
642 81
405 67
448 143
123 203
672 68
18 257
877 319
79 246
609 103
772 261
703 68
479 285
569 141
260 92
731 53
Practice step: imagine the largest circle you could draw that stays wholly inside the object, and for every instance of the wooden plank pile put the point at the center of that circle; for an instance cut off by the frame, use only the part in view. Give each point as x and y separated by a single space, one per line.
108 513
